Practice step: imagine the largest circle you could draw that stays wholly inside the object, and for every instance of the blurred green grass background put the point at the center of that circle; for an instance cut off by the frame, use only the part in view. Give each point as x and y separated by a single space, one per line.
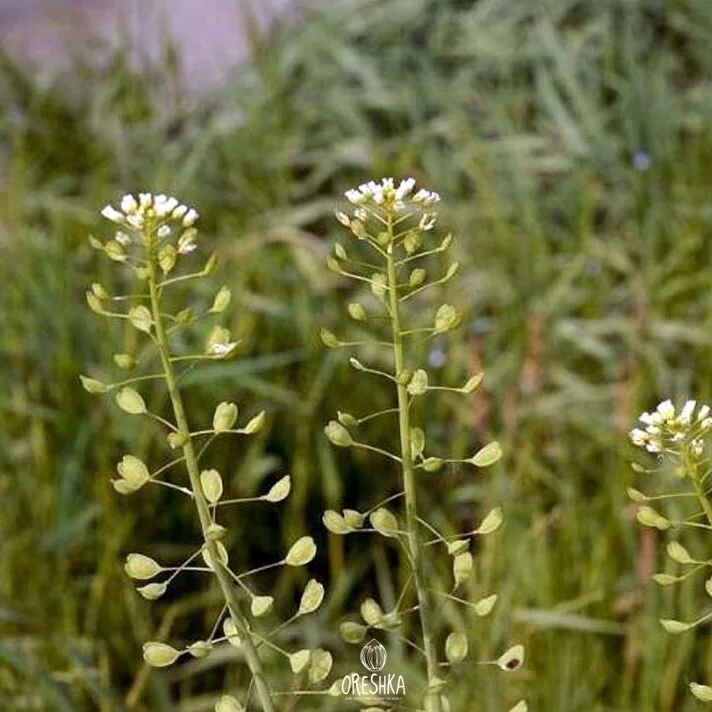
572 144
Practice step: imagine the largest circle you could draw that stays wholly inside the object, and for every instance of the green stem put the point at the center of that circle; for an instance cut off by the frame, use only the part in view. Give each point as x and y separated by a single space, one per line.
251 656
704 501
432 700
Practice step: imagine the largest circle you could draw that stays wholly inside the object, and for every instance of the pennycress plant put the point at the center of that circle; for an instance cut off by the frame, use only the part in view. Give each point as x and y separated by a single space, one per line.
391 225
678 439
156 235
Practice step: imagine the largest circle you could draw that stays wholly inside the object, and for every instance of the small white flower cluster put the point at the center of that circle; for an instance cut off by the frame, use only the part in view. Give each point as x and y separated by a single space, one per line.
135 213
665 426
386 194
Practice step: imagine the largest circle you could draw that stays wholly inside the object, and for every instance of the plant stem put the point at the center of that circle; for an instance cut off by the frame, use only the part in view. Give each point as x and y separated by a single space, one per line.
251 656
432 699
704 501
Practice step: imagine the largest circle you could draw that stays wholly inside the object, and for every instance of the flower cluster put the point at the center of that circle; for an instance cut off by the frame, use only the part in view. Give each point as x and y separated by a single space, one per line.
386 195
664 427
153 212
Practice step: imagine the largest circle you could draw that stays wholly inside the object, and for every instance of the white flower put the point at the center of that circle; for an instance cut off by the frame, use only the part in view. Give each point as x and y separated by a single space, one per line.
703 412
179 212
186 243
112 214
427 221
129 204
666 410
190 217
223 349
122 238
687 410
386 194
164 231
405 188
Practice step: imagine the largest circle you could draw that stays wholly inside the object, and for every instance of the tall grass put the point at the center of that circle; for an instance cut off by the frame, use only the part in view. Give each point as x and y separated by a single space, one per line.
586 269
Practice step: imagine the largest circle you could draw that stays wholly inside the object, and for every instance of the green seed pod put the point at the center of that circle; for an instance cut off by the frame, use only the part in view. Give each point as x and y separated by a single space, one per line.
94 303
353 518
355 363
484 606
446 318
312 597
298 661
200 649
445 244
335 689
159 654
418 383
417 277
222 555
462 567
123 487
133 471
521 706
125 361
184 316
141 318
215 532
152 591
432 464
371 612
280 490
359 229
99 291
472 383
677 552
436 684
212 485
176 440
92 385
335 523
488 455
403 377
456 647
491 522
338 434
511 659
353 633
141 567
329 340
636 495
417 442
230 630
701 692
301 552
333 265
255 424
458 547
114 251
130 401
167 258
321 664
210 263
379 284
412 241
261 605
357 312
339 251
708 587
228 703
665 579
648 517
451 272
221 301
224 417
346 419
384 522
